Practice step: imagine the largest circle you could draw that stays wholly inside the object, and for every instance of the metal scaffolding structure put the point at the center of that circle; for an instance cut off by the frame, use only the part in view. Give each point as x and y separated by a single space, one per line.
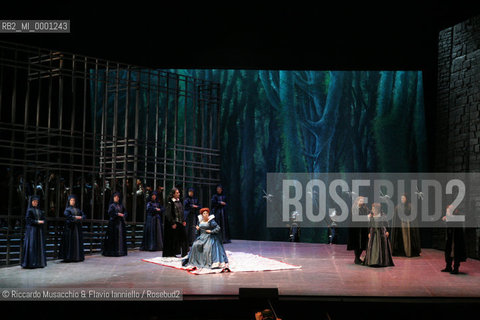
87 126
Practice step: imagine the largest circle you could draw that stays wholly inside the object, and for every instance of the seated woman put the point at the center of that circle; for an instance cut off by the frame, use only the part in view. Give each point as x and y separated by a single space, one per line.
207 250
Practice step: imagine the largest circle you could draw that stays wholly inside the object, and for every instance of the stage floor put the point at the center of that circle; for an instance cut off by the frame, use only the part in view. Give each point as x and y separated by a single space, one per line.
327 270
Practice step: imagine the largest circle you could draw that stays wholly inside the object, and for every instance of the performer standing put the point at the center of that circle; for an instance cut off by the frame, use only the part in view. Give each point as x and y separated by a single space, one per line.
153 229
175 235
191 206
71 248
207 250
34 246
358 236
455 249
218 210
115 243
405 235
379 251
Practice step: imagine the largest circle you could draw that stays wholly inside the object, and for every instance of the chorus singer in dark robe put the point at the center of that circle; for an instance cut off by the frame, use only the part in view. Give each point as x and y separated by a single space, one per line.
405 236
34 246
379 250
218 210
455 249
153 229
175 233
191 206
71 247
115 243
357 235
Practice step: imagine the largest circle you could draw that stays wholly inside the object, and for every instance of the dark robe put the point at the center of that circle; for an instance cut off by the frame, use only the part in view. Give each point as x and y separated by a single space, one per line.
405 236
174 240
153 229
34 245
218 210
71 247
190 215
379 251
358 236
455 248
115 243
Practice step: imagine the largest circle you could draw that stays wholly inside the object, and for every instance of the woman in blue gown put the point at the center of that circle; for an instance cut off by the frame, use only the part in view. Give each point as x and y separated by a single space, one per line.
34 246
153 229
218 210
115 243
191 205
207 250
71 248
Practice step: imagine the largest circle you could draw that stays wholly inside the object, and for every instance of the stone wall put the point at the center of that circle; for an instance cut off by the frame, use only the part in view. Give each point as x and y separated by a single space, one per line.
457 118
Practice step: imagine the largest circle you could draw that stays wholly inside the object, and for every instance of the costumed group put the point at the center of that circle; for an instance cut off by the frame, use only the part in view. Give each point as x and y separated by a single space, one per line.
403 239
185 228
182 228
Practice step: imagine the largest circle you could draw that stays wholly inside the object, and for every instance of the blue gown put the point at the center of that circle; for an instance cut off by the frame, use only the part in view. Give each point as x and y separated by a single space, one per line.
218 210
115 243
190 216
207 250
34 245
71 248
153 229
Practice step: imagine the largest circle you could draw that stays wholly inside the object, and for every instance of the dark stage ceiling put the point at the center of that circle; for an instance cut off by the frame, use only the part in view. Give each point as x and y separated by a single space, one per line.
337 35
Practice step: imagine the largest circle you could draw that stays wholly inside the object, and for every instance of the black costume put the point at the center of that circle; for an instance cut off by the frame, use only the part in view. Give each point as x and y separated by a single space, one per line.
190 215
153 229
218 210
115 243
455 249
175 240
405 236
34 245
358 236
71 247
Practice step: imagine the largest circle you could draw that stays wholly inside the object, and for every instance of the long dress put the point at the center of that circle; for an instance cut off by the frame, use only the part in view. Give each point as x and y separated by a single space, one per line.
218 210
34 245
379 251
115 243
207 250
153 229
71 247
405 236
358 236
190 216
174 240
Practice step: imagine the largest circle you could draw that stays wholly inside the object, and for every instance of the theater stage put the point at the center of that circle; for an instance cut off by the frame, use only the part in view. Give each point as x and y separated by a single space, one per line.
327 270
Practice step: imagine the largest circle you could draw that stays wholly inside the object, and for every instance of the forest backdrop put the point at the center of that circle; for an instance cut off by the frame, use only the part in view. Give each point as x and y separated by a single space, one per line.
311 121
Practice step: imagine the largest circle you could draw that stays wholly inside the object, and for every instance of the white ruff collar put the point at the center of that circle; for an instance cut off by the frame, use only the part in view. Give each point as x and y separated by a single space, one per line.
200 218
175 199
